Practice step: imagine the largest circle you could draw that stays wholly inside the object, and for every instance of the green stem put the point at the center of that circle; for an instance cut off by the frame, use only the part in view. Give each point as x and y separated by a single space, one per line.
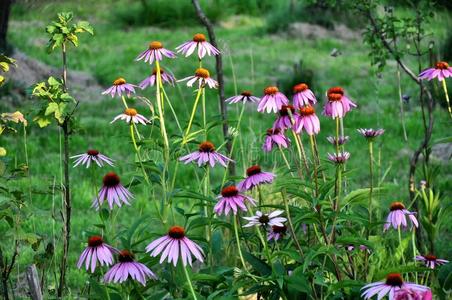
284 158
400 243
337 136
192 290
208 214
124 102
235 220
314 160
413 245
160 109
289 220
172 110
195 105
204 116
402 112
371 173
447 96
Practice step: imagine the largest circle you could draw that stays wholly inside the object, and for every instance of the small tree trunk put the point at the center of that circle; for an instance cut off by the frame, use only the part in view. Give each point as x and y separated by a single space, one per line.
33 283
5 8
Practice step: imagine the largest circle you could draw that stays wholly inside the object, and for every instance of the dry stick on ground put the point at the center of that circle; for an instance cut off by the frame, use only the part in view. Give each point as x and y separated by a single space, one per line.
423 90
219 68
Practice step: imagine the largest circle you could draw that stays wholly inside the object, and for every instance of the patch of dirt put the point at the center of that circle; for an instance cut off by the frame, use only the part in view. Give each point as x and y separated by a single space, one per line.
312 31
442 151
30 71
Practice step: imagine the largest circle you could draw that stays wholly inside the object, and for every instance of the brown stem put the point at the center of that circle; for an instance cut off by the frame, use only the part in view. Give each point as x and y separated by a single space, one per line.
219 68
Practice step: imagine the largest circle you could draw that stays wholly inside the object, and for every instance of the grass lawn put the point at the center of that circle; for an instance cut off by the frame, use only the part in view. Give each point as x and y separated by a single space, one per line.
255 59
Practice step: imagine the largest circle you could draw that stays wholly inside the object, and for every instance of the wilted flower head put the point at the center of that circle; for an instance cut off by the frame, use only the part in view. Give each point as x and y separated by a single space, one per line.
307 120
245 96
199 41
156 52
275 137
397 216
440 71
120 87
431 261
341 141
206 154
303 96
272 101
127 267
231 199
262 219
393 283
202 76
339 158
338 103
16 117
96 251
151 80
131 115
255 177
370 133
174 245
276 232
113 191
92 155
284 120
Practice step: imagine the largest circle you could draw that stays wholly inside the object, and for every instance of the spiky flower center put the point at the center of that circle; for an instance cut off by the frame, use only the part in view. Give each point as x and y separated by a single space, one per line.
111 179
336 90
307 110
301 87
95 241
92 152
230 191
199 38
397 206
394 279
119 81
264 219
125 256
132 112
206 147
253 170
442 65
203 73
176 232
271 90
272 131
285 110
430 257
154 72
154 45
279 229
246 93
334 97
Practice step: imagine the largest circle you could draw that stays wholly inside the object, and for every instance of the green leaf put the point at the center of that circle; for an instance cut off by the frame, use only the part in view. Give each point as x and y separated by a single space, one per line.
298 282
401 269
51 108
257 264
445 277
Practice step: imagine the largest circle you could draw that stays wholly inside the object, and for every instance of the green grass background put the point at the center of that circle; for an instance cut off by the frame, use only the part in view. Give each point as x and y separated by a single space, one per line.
257 59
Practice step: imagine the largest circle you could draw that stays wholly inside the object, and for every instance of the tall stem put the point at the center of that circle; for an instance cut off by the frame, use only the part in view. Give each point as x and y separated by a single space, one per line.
204 115
400 243
195 105
314 160
289 219
237 239
192 290
447 96
371 173
402 112
160 109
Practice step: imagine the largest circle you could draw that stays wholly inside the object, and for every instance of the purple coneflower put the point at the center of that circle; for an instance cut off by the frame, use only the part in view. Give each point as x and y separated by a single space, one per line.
352 247
113 191
206 154
397 216
303 96
120 86
230 198
275 137
261 219
338 104
284 120
199 41
340 158
131 115
393 283
96 251
307 120
409 294
341 141
155 52
431 261
175 244
244 97
440 71
370 133
276 232
203 77
255 177
272 100
151 80
92 156
127 266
